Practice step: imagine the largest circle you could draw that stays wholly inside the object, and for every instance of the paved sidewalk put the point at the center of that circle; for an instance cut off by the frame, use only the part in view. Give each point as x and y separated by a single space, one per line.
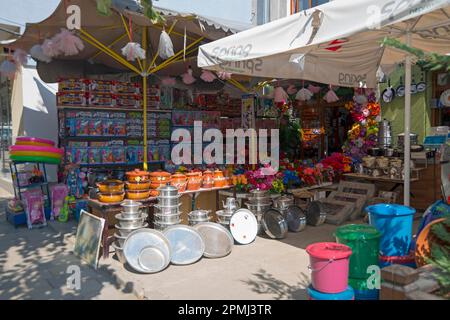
33 265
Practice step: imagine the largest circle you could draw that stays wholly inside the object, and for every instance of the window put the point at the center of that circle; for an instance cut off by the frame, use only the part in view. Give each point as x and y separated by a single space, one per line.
299 5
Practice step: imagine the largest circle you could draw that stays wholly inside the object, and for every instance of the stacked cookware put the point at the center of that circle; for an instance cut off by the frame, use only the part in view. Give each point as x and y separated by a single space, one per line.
131 218
167 210
198 216
294 215
384 134
258 203
224 216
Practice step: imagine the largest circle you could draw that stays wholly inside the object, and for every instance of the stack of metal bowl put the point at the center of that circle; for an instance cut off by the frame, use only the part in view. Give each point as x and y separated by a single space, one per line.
224 216
131 218
258 203
167 211
198 216
294 215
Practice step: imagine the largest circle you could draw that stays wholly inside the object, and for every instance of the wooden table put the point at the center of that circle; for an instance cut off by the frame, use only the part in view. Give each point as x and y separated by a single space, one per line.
108 211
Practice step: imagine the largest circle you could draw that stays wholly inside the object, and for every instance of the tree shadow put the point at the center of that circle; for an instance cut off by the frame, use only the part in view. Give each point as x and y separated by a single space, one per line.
266 283
34 265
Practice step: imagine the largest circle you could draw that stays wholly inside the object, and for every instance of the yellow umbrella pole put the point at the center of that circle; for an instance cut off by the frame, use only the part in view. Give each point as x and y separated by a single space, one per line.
144 88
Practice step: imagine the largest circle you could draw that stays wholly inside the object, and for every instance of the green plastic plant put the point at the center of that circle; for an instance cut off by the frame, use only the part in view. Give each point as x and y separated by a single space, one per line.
440 255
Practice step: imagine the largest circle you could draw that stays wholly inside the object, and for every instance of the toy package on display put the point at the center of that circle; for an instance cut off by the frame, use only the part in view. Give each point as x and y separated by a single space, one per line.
34 210
58 194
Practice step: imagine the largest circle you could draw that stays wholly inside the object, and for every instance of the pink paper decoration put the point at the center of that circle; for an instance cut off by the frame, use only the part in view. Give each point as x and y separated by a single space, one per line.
280 95
67 43
37 53
133 51
330 96
169 81
303 95
208 76
188 78
314 89
224 75
20 57
50 48
291 89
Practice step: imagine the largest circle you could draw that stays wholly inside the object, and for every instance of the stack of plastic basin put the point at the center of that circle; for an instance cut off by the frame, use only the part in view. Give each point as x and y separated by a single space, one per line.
395 222
329 266
364 240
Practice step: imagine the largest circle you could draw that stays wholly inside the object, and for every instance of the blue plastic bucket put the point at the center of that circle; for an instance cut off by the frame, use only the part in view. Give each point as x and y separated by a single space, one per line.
395 222
347 294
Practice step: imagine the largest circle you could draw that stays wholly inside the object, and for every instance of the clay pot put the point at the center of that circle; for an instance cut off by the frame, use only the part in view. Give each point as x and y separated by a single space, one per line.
110 186
179 181
138 185
208 179
194 181
138 194
160 177
219 179
111 197
138 175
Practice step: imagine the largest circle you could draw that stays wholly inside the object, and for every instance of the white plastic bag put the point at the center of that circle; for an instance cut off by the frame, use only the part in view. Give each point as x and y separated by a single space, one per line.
165 49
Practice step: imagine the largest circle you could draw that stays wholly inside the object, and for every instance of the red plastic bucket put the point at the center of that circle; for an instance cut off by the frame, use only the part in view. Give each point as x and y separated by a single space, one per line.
329 264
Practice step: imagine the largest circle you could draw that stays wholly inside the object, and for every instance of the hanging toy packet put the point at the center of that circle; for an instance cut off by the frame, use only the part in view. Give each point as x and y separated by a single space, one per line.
64 214
35 211
59 194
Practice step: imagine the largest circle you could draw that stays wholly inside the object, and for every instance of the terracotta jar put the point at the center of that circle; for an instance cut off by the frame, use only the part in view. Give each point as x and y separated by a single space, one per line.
138 176
160 177
179 181
194 181
219 179
111 186
208 179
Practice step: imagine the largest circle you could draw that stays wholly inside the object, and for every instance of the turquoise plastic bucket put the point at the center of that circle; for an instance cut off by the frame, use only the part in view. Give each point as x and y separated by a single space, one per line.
394 221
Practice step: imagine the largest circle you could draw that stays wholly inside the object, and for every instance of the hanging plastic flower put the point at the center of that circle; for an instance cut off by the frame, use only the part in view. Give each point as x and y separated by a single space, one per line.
37 53
20 57
303 95
8 69
165 48
187 77
365 112
208 76
133 51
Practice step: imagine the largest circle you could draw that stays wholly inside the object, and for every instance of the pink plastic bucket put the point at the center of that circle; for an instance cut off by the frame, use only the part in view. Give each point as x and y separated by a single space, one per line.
329 265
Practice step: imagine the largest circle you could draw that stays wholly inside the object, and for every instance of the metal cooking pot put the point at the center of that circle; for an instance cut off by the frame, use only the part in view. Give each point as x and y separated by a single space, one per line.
163 225
168 201
167 218
223 216
274 224
120 240
257 207
130 222
124 232
199 215
283 202
131 207
296 218
167 210
315 216
119 253
230 204
168 191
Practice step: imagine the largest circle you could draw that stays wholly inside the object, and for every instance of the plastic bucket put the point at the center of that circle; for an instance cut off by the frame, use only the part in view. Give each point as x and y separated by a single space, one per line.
365 242
347 294
362 292
329 263
394 221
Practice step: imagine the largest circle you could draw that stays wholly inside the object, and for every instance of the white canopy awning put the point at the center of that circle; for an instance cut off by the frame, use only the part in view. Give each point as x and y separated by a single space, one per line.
337 43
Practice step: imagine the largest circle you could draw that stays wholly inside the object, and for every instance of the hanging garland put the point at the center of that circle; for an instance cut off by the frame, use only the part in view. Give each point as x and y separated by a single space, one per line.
363 135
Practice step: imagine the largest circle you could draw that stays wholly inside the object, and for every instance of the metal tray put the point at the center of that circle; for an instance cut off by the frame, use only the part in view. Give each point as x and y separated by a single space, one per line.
244 226
218 240
147 251
274 224
186 243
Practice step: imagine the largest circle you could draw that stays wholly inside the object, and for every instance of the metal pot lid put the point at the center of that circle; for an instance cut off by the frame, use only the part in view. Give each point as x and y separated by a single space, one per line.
167 189
274 224
244 226
186 243
131 203
295 217
145 225
141 250
218 240
120 217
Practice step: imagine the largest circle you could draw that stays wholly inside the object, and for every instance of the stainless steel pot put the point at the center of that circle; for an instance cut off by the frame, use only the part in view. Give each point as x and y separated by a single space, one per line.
258 193
124 232
167 209
274 224
230 204
223 216
130 222
315 216
296 219
167 191
258 207
167 218
199 215
283 202
168 201
131 207
120 239
119 253
164 225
